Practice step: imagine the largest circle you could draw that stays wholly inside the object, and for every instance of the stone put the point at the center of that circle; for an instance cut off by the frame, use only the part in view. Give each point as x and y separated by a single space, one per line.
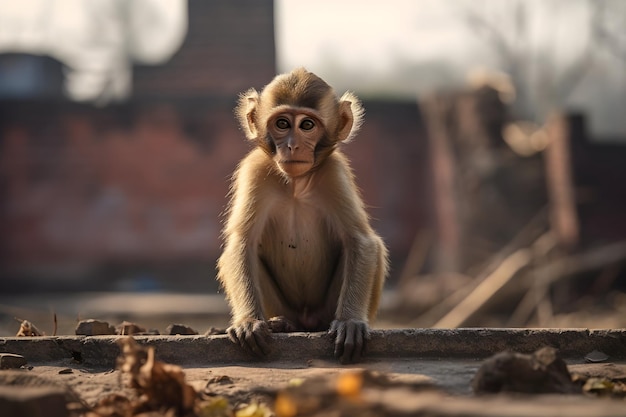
11 361
212 331
94 327
542 372
128 328
181 329
19 401
390 343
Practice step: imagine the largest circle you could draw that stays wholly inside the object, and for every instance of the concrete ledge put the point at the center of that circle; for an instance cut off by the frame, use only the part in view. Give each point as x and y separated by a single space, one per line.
392 344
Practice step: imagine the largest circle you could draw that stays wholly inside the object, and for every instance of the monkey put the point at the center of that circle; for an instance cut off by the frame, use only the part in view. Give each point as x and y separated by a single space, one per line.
299 252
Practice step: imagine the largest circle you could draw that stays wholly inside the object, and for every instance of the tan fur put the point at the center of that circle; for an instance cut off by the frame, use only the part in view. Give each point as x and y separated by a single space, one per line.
303 247
254 108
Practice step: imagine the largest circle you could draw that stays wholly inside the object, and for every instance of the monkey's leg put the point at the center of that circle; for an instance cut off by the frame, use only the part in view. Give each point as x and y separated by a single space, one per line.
255 334
281 324
282 317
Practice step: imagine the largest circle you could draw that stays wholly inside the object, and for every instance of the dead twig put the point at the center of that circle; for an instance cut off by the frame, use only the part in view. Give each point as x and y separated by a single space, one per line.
28 329
529 233
487 288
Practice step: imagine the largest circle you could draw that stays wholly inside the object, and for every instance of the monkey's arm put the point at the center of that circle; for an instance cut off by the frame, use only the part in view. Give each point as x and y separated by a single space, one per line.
362 269
361 281
236 266
248 327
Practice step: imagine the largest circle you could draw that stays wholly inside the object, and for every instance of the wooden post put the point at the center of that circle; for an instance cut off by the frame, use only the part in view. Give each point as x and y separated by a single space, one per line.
560 184
437 110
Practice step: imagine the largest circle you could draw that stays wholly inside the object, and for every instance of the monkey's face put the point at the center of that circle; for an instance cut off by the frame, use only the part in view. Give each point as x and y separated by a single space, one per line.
295 134
298 120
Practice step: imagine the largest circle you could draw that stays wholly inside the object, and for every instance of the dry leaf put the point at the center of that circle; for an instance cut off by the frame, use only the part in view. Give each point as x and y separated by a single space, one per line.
28 329
160 385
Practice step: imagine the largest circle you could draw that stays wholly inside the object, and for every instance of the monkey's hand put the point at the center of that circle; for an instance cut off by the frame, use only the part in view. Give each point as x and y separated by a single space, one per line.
251 334
350 336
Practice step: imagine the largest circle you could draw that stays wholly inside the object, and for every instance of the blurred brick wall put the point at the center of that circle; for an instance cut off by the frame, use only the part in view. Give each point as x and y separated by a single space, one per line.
100 191
141 182
146 182
229 48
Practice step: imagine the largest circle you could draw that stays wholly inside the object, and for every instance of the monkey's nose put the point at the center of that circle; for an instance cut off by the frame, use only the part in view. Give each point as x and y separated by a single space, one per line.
291 145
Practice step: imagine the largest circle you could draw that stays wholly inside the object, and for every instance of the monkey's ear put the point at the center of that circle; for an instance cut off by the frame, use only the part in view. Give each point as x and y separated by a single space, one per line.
350 117
247 113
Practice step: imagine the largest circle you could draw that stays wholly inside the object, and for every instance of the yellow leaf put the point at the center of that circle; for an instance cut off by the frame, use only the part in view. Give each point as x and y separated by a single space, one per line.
349 384
295 382
254 410
285 406
598 386
215 407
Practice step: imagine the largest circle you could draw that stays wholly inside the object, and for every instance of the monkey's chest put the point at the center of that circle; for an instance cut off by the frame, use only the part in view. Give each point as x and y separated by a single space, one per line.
300 253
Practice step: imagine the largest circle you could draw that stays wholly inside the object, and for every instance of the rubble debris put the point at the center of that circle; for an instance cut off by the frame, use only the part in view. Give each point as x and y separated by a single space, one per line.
16 401
181 329
127 328
214 330
112 405
541 372
28 329
11 361
93 327
27 380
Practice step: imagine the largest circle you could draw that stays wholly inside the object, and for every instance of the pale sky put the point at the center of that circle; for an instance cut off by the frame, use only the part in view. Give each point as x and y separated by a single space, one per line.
370 46
367 33
395 48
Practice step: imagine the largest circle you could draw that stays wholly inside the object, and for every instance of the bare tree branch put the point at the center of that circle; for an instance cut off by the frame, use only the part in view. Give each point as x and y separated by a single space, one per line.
609 37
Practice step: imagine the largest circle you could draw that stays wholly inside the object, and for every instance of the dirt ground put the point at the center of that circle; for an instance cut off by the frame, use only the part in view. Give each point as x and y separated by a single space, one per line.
391 387
399 386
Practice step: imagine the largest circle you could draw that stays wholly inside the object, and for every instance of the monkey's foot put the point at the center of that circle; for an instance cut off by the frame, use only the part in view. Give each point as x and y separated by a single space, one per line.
280 324
350 337
251 334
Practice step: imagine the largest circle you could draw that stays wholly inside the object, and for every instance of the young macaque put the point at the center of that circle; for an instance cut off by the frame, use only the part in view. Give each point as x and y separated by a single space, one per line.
299 251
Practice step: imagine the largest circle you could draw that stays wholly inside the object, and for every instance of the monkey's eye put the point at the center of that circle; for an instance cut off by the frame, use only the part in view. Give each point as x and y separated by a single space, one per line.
307 124
282 124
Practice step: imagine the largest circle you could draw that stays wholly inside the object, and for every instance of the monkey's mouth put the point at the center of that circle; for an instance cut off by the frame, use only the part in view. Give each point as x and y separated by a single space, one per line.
294 161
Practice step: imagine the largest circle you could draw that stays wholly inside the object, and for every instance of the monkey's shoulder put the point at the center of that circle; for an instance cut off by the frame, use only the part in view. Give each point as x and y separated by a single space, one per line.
254 162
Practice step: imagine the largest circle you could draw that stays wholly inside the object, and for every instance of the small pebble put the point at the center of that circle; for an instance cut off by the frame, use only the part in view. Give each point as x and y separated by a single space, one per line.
180 329
596 356
11 361
94 327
